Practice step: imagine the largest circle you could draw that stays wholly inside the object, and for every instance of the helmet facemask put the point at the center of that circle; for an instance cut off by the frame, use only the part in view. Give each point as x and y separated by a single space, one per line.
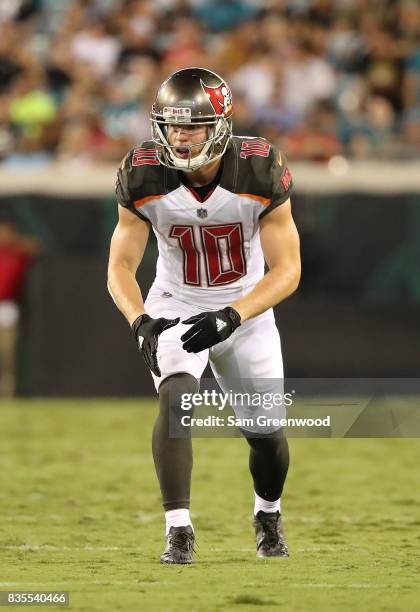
219 134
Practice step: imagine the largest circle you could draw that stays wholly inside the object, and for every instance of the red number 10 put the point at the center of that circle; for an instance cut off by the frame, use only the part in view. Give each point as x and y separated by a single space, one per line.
223 250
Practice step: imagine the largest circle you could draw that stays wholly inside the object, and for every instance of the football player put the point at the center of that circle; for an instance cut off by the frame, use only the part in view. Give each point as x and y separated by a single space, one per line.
219 206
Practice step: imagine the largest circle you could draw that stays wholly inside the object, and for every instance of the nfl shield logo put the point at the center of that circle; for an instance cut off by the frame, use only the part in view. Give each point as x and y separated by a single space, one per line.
201 213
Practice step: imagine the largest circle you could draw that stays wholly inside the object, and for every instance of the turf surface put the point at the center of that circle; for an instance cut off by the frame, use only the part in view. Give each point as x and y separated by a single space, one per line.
80 512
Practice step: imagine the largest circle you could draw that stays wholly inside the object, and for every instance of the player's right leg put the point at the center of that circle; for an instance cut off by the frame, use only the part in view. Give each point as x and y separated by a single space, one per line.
173 458
171 443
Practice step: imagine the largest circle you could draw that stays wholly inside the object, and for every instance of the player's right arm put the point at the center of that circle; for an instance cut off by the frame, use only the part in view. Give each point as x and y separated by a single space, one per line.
127 248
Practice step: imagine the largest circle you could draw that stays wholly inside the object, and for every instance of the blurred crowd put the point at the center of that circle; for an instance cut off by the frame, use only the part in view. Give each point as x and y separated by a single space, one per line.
318 77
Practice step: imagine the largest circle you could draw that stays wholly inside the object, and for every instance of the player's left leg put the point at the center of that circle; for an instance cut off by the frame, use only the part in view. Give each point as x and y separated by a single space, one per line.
251 362
268 464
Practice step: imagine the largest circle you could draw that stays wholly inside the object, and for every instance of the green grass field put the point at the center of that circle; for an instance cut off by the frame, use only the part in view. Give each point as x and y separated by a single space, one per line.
80 511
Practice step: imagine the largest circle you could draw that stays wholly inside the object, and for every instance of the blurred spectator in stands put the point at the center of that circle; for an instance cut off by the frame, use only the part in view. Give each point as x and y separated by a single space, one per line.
273 117
77 144
315 137
17 9
411 133
244 121
94 45
411 82
307 79
408 14
346 49
186 46
7 138
139 36
374 136
29 151
255 80
222 15
32 107
59 71
234 49
124 119
31 113
383 66
9 63
16 254
90 62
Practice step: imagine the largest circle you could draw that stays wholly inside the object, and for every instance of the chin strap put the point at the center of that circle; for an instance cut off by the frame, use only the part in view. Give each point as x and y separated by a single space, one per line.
192 163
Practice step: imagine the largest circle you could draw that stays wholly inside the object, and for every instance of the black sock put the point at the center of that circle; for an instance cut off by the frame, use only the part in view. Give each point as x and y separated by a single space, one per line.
173 455
268 463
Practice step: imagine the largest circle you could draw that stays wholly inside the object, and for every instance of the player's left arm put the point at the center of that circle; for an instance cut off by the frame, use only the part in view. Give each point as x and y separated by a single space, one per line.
280 244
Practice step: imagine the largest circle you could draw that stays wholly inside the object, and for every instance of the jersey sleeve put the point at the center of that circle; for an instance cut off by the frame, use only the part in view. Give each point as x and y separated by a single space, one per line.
124 186
281 181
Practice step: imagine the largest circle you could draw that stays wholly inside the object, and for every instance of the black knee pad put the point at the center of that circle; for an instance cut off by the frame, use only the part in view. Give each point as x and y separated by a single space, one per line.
174 386
265 442
171 391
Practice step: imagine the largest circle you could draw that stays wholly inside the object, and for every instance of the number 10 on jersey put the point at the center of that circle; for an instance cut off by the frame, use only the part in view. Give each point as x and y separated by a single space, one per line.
221 246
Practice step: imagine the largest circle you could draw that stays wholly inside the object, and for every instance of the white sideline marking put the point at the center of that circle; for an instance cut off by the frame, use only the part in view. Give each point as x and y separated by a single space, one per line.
46 547
18 518
136 582
315 549
141 517
310 585
74 585
148 517
232 550
58 548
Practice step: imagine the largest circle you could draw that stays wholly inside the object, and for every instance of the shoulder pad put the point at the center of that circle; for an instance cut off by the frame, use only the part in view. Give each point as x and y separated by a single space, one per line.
141 176
255 167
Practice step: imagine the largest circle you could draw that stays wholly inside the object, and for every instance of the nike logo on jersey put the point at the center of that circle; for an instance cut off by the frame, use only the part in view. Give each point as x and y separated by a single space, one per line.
220 324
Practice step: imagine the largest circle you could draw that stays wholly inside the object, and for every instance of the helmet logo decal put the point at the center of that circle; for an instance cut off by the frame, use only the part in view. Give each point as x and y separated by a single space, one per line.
220 97
177 115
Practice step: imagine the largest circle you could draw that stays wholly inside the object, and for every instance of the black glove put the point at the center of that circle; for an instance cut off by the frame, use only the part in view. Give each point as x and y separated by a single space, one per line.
209 328
146 331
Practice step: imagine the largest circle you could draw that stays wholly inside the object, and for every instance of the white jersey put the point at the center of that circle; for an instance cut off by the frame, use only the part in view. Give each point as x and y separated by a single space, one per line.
209 249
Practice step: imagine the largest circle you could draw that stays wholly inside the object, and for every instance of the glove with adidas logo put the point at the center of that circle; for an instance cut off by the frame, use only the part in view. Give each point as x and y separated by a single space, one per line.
209 328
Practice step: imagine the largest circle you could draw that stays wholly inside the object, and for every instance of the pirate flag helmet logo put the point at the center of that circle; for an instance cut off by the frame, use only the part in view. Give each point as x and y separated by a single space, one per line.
220 98
192 96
